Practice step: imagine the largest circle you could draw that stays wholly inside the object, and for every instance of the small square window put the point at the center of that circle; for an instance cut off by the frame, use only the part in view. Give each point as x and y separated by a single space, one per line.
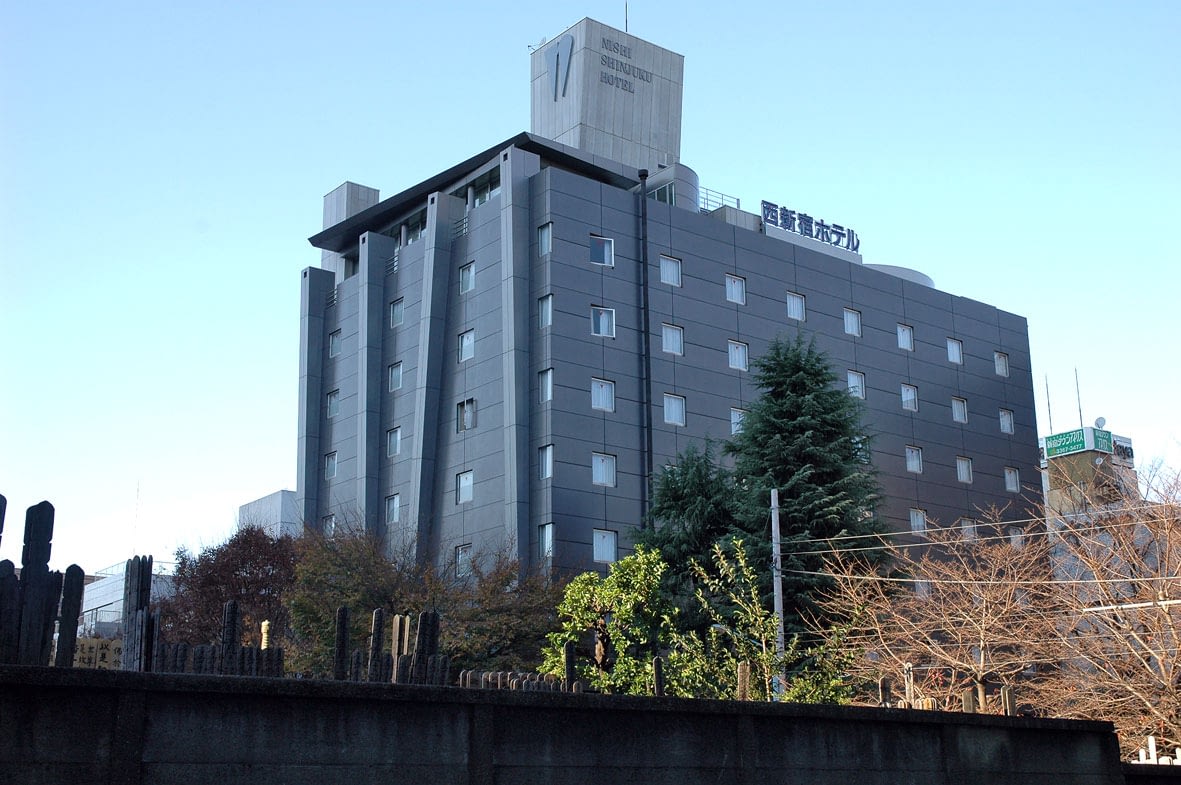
602 469
736 418
545 239
955 351
968 528
918 521
959 409
736 289
467 345
329 466
922 589
334 403
545 542
465 415
605 546
463 561
393 509
1006 421
963 469
395 376
852 322
906 337
397 312
914 459
602 251
603 395
670 270
545 311
467 278
1001 362
738 355
672 339
1012 480
1016 538
328 525
334 343
393 442
855 383
795 306
464 482
602 321
910 398
545 385
674 409
545 462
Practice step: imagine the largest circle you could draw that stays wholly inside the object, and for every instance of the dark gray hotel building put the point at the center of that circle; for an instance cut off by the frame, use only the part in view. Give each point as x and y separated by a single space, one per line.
501 354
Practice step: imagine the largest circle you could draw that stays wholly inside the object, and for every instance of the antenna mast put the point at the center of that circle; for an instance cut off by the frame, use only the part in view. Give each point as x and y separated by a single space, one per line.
1049 409
1078 395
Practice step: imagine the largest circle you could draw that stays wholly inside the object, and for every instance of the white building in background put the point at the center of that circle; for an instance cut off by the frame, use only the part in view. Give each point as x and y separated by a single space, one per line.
275 514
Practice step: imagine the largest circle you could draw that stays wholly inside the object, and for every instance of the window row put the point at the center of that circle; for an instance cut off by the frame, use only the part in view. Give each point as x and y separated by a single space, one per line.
909 395
604 544
966 525
963 468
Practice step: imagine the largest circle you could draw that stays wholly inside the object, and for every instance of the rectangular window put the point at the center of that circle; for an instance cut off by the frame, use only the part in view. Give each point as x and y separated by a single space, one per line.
545 542
922 589
465 415
334 343
545 311
855 383
910 398
329 466
464 482
955 351
1016 538
959 409
467 277
672 339
674 409
545 462
602 321
602 469
395 377
1001 361
906 337
795 306
670 270
968 528
736 418
545 385
463 561
467 345
603 395
545 239
918 521
393 442
963 469
736 289
738 355
1012 480
393 509
1006 419
602 250
852 322
328 525
605 545
334 403
914 459
861 449
397 312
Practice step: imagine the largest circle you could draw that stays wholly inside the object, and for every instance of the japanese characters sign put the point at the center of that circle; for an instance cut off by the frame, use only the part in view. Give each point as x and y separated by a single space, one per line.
807 226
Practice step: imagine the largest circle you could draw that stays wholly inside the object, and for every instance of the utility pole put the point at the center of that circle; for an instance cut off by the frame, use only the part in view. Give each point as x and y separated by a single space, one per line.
777 582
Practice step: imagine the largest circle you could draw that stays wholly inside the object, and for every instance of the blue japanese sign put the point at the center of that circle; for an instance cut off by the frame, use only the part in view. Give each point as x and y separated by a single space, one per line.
807 226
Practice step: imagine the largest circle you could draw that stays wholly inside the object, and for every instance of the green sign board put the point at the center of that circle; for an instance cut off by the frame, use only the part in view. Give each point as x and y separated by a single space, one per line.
1065 443
1103 441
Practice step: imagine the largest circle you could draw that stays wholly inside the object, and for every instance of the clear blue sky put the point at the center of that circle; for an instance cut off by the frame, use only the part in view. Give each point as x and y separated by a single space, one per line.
162 165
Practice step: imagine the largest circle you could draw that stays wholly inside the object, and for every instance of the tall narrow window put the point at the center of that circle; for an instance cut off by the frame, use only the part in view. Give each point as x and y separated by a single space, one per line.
605 546
910 398
968 528
464 486
603 395
737 351
1001 361
465 415
906 337
852 322
545 462
1006 420
918 521
467 345
674 409
397 312
795 306
545 311
955 351
545 385
334 343
855 383
672 339
1016 537
914 459
393 509
670 270
1012 480
334 403
959 409
963 469
735 289
545 239
393 442
736 418
463 560
395 376
328 525
467 278
602 469
330 466
545 542
602 321
602 251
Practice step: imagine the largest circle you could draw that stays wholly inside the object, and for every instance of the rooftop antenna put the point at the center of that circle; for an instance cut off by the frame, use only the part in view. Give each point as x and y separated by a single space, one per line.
1049 409
1078 394
625 16
540 44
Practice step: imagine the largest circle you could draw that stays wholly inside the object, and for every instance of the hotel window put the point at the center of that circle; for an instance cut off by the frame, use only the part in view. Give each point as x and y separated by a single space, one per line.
545 385
467 278
852 322
329 466
467 345
672 339
670 270
545 239
464 482
334 341
328 525
1012 480
545 311
1016 538
334 403
674 409
465 415
397 312
603 395
910 398
602 251
605 545
602 469
393 442
855 382
463 561
918 521
914 459
602 321
959 409
738 355
1006 419
796 306
955 351
545 462
968 528
963 469
922 589
736 289
545 541
736 418
906 337
393 509
861 450
1001 361
395 377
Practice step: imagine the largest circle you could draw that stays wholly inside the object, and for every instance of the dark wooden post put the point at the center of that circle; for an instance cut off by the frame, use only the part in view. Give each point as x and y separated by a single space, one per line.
340 652
67 628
